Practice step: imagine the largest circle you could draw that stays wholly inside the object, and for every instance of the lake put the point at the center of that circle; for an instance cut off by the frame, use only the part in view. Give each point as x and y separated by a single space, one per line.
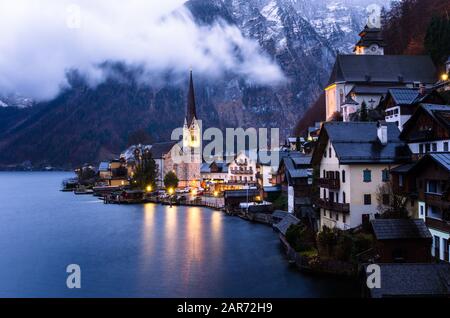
138 250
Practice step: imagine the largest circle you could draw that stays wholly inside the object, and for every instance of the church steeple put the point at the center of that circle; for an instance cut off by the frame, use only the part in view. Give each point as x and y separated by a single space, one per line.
191 113
371 42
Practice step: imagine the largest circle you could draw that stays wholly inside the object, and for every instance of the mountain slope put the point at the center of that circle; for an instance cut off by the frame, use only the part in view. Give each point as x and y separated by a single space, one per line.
86 124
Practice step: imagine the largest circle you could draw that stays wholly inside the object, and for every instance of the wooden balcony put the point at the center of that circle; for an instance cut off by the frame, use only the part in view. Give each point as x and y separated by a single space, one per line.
241 182
436 200
333 184
332 206
243 171
437 224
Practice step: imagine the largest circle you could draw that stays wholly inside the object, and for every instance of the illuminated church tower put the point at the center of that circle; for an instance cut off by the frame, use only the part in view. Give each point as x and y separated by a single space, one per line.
192 143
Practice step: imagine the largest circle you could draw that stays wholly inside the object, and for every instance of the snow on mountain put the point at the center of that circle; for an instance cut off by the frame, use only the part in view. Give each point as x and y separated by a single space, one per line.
16 100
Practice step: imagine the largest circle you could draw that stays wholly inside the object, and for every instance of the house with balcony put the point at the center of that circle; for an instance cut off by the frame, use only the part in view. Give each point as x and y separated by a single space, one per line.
432 175
294 174
401 103
428 130
242 170
351 162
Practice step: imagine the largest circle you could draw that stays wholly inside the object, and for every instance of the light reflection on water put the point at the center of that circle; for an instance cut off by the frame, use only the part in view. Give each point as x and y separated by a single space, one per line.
137 251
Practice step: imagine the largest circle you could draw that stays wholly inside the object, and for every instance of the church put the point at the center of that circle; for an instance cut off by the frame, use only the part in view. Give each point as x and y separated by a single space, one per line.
188 170
366 76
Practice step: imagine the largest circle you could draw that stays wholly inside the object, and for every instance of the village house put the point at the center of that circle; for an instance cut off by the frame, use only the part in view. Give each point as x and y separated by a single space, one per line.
352 161
162 154
428 130
242 170
401 103
401 241
295 177
114 173
368 75
214 176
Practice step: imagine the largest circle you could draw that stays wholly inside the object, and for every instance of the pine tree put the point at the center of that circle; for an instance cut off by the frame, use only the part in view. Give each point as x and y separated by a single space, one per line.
363 113
437 39
146 172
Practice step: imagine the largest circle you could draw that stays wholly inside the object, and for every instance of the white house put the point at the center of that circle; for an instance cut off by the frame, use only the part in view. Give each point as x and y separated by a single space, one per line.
354 160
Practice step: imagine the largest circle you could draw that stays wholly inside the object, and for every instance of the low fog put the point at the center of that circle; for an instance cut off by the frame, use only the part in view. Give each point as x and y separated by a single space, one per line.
41 40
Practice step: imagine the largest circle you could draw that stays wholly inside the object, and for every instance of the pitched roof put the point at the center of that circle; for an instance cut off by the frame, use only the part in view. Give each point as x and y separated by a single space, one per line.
357 142
413 280
404 96
296 165
403 168
104 166
391 229
442 158
368 90
439 113
285 223
161 149
387 69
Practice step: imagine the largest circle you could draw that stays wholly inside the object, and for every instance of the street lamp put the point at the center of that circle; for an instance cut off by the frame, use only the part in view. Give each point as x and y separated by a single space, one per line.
149 188
444 77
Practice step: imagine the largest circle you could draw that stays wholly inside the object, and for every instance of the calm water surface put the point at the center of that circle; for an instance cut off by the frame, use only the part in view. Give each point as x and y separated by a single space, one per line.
137 251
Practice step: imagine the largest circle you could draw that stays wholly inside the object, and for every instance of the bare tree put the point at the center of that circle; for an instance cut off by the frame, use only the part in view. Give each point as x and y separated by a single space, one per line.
390 204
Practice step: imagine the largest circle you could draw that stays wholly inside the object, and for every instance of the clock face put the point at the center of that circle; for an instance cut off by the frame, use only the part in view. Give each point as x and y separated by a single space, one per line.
373 48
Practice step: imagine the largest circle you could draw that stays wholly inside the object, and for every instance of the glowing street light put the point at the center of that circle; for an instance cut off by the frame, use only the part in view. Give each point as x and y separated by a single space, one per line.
171 191
444 77
216 194
149 188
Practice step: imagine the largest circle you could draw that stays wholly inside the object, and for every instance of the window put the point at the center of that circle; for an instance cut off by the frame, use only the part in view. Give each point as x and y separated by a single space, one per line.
344 199
344 218
367 199
343 176
324 193
337 216
437 246
427 148
386 199
434 147
324 173
421 210
446 146
324 212
446 248
331 194
367 175
421 148
432 187
329 152
385 175
337 197
400 180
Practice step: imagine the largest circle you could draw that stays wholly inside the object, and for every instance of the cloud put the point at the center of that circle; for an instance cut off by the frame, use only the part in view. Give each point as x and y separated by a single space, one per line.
41 40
